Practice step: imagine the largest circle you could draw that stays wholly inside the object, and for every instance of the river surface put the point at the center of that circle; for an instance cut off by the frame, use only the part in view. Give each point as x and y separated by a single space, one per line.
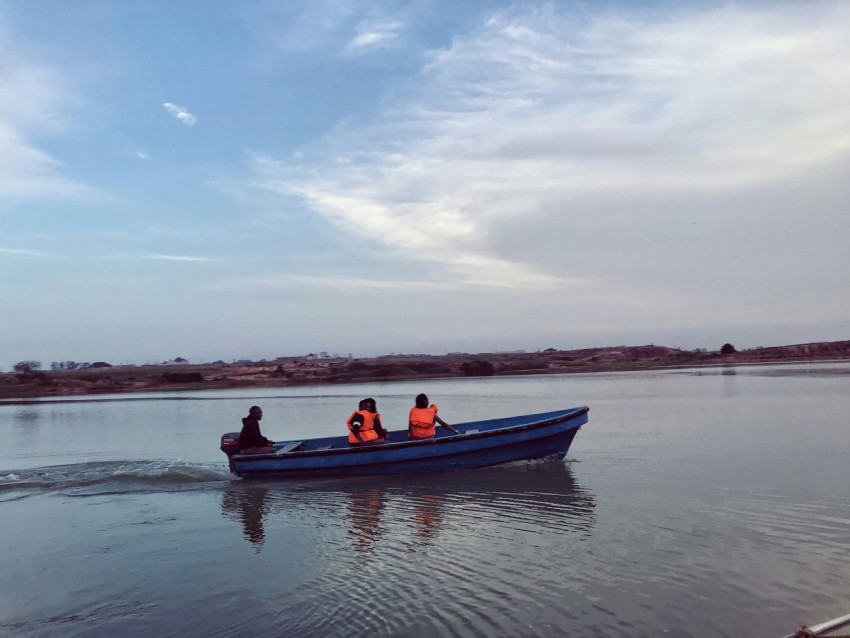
711 502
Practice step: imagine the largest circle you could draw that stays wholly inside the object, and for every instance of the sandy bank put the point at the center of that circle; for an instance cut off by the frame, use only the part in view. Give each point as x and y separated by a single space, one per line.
296 371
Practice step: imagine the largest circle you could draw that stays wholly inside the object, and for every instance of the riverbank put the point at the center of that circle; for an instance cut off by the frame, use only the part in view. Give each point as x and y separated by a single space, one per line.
312 370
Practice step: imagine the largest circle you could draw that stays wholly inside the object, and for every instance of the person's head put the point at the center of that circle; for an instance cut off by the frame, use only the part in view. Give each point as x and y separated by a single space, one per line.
421 400
368 404
255 412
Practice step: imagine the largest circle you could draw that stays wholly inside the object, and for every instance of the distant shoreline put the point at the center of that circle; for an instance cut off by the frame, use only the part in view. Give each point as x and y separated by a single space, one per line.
311 370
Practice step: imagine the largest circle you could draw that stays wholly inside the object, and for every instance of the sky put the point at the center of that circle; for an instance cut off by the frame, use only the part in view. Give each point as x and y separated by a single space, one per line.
218 180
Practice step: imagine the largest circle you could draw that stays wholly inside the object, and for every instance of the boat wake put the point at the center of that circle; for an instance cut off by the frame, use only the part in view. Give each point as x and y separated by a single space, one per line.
109 477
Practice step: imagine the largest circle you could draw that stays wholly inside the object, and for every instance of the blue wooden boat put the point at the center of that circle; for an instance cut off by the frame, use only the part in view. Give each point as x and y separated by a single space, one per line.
481 443
824 630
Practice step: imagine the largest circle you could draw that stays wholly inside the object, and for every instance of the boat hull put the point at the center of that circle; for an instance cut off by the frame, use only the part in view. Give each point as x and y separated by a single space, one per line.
487 443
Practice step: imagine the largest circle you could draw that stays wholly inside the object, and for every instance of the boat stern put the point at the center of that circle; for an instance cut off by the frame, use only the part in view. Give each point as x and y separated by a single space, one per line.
230 446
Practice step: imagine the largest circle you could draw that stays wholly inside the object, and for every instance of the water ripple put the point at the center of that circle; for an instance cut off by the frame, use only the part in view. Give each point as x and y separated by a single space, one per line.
82 479
438 549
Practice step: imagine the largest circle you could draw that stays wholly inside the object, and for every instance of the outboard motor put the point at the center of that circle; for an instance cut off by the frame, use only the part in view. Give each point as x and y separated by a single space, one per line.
230 446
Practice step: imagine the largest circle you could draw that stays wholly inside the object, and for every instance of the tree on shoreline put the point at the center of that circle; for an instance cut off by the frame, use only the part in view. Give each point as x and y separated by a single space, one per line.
728 348
24 367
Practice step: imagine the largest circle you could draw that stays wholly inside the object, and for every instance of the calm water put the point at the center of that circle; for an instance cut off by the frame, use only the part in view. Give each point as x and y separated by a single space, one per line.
694 503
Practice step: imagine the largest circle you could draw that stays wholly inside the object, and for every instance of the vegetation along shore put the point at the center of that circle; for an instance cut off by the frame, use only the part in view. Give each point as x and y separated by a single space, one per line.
29 380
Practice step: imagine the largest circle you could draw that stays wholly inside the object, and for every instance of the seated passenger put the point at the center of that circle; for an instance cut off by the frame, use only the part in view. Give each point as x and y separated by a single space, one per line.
421 424
250 439
364 425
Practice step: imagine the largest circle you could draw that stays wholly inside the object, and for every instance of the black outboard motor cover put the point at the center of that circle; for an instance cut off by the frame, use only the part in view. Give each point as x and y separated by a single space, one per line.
230 446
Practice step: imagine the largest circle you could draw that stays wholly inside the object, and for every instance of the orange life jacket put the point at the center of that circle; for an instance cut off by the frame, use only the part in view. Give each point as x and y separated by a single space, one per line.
422 422
367 430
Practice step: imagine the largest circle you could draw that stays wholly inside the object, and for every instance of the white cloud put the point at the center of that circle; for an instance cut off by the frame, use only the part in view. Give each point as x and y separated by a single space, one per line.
495 281
176 258
29 172
180 113
33 101
538 119
301 27
25 252
273 282
372 35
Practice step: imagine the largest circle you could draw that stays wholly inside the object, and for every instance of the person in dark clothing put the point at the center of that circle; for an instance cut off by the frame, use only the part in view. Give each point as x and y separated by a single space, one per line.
251 441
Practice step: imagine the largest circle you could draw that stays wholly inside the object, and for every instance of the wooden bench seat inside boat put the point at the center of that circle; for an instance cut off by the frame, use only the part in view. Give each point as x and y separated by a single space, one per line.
291 446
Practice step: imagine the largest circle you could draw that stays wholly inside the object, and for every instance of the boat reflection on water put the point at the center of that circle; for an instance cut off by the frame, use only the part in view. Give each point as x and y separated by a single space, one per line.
414 510
421 513
364 513
427 517
250 507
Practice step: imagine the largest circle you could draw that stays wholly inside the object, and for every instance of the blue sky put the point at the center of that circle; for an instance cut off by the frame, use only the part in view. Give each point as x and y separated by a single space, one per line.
218 180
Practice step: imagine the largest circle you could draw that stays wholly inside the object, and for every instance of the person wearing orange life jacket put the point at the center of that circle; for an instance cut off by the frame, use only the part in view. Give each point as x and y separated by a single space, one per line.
423 419
364 425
